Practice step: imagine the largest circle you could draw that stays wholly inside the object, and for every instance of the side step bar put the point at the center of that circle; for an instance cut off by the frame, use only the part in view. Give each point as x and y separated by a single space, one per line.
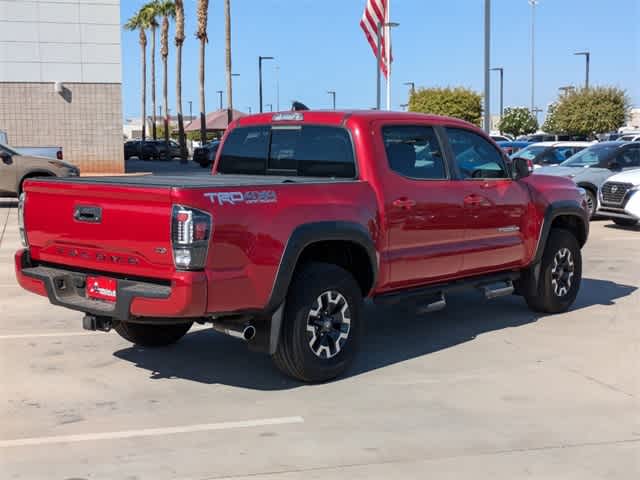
498 290
432 297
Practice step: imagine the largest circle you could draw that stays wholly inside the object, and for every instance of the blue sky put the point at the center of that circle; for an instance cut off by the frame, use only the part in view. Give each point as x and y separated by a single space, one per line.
319 46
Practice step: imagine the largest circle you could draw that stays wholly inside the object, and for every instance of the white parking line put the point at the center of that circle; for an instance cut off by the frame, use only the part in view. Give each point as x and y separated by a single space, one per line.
46 335
149 432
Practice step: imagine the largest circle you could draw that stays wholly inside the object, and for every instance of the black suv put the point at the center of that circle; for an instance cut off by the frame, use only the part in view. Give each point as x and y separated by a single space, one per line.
206 154
151 149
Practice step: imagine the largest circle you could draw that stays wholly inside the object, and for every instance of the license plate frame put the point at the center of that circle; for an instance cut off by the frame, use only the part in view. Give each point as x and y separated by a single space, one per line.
102 288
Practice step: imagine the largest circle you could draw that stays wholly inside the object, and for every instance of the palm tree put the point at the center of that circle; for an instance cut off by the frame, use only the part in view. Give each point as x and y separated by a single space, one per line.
201 34
227 39
165 9
179 41
140 22
149 8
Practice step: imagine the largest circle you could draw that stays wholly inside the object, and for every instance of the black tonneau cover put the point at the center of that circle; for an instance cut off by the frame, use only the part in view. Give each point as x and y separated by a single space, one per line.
193 181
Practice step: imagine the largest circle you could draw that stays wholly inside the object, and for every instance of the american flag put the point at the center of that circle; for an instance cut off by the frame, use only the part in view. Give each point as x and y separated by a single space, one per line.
375 14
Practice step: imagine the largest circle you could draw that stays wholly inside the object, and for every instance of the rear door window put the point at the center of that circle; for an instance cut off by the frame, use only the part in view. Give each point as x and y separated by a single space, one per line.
297 150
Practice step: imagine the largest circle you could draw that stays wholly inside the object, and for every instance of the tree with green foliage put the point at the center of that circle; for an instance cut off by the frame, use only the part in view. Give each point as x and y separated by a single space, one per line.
517 121
455 102
592 110
550 124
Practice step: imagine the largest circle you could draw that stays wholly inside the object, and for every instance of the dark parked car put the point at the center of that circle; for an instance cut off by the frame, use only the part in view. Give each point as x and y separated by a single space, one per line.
151 149
206 154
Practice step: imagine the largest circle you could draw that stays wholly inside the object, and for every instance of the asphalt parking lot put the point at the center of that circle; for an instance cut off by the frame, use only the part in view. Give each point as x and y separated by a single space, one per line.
482 390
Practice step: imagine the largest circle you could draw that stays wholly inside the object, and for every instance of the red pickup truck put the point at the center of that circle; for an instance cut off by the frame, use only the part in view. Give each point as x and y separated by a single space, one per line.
306 215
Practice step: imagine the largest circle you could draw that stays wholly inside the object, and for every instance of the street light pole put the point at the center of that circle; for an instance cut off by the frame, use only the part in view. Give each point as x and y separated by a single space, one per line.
333 96
487 63
260 59
533 4
270 105
190 111
587 57
219 92
501 70
412 90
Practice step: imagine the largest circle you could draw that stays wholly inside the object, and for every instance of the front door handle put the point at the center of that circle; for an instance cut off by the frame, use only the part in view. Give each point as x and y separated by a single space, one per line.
473 200
404 203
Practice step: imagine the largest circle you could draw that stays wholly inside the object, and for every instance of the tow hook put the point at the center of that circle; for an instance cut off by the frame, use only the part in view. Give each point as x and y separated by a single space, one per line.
93 323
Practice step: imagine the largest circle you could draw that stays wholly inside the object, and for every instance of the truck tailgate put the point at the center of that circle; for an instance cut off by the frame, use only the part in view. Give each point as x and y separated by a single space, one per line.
122 229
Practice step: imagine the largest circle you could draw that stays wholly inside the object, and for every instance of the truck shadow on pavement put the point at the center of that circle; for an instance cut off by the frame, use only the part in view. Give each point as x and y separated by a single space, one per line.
392 336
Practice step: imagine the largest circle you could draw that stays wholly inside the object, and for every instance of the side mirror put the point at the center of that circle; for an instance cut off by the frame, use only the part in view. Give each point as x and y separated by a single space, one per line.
6 158
521 168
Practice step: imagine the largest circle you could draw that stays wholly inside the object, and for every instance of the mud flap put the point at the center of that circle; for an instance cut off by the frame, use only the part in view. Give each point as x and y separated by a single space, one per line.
267 332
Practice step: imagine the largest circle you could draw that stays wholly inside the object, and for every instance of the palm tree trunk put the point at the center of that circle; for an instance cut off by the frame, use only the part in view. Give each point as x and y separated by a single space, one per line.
143 109
227 21
165 101
182 139
153 82
203 120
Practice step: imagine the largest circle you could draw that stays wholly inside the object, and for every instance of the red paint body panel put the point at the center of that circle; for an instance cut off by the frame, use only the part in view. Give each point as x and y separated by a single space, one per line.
439 238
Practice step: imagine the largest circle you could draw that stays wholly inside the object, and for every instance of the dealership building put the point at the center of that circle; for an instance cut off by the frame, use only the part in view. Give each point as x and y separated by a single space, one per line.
60 79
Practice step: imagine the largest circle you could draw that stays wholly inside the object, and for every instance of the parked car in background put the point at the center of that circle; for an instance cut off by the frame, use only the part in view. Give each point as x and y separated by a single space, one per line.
47 152
550 153
608 137
552 137
206 155
630 137
620 198
501 138
15 168
512 147
151 149
591 167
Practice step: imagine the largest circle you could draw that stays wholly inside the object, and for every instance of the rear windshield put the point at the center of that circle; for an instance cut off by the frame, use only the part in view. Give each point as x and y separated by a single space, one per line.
309 150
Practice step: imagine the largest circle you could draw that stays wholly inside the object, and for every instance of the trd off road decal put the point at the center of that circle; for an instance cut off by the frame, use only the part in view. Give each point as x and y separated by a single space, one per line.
235 198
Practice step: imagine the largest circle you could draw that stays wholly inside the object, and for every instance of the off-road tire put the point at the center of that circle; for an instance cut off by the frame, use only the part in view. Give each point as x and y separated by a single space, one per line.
150 335
625 222
294 355
544 297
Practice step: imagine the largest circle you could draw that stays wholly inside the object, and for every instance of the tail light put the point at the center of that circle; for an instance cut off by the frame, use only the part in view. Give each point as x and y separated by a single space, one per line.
190 234
59 154
21 229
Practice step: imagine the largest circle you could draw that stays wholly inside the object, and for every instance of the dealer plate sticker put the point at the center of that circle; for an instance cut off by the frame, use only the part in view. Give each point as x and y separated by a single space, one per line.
102 288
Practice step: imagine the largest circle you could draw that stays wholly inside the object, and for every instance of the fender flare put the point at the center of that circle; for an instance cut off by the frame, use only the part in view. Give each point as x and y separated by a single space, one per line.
553 211
309 233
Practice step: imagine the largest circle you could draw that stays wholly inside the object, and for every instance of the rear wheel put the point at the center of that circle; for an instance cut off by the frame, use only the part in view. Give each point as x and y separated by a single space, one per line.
560 274
149 335
322 327
625 222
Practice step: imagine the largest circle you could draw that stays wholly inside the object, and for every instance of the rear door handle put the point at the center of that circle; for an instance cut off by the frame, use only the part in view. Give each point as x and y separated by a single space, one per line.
404 203
473 200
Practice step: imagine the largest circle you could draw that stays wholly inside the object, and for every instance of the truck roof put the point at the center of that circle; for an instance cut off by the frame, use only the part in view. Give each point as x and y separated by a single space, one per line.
338 117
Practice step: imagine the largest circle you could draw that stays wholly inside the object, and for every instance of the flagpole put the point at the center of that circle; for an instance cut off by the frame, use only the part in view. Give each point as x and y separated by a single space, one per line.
387 53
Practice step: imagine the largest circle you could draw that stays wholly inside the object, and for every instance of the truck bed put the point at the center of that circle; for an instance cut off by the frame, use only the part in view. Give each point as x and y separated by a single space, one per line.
194 181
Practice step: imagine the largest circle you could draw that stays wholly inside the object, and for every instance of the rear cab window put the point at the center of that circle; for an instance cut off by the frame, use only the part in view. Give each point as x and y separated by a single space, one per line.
289 150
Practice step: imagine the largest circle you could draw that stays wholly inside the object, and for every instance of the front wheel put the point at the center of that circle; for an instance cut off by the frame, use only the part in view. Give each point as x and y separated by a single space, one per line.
592 203
560 274
321 327
625 222
150 335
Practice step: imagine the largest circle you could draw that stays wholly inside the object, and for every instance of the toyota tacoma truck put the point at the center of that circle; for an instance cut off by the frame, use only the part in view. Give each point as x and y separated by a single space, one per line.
306 215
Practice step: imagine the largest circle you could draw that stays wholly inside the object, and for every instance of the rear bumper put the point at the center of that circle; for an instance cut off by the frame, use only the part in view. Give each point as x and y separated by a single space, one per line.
184 296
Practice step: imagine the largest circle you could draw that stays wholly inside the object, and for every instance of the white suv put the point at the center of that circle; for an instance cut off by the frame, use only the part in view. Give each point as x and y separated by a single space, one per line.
620 198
